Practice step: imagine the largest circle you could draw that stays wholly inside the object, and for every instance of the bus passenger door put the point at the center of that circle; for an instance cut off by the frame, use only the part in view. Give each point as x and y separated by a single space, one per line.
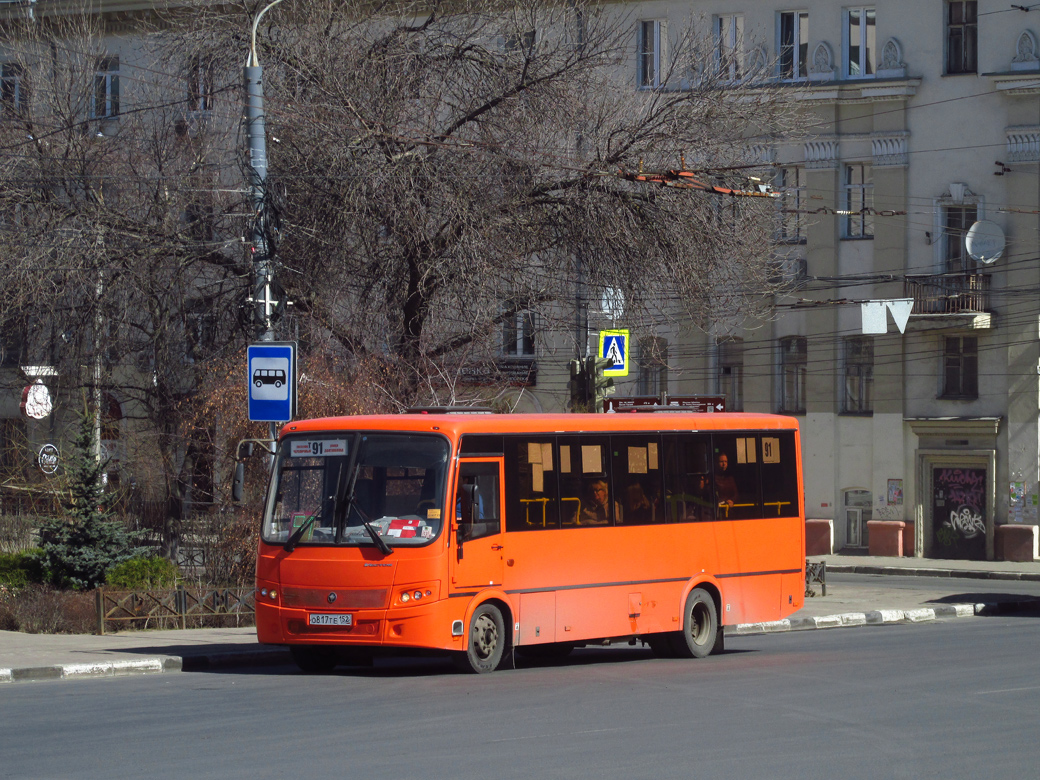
478 552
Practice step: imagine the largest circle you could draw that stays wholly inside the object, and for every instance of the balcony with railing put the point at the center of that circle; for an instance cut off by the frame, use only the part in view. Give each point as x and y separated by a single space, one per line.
960 297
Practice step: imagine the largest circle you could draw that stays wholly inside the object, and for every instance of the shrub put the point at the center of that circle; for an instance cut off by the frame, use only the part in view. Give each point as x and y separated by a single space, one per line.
142 574
18 570
79 549
38 609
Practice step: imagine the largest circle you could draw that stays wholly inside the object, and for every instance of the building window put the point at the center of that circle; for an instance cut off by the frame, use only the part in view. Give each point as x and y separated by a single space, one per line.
729 46
859 374
12 344
12 89
962 43
612 302
730 376
200 85
793 46
794 359
653 366
858 201
200 330
105 100
956 222
520 42
790 186
518 334
652 41
960 367
860 40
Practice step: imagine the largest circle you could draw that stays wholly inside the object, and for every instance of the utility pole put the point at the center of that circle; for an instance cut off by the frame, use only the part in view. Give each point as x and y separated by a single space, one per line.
268 300
267 297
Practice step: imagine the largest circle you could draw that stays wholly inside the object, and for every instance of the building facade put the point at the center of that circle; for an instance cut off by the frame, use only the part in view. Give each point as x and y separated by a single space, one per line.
911 359
920 120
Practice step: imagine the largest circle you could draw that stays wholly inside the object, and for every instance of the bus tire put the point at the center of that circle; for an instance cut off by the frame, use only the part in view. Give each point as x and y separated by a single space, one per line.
700 634
486 641
314 660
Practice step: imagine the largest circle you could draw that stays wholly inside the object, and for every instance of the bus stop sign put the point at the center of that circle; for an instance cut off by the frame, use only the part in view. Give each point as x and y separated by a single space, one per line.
271 374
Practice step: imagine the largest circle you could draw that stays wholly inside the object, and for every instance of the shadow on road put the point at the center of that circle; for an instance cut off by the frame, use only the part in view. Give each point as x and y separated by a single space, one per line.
1011 604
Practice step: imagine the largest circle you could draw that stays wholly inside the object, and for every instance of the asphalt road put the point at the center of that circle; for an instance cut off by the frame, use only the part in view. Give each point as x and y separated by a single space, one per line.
952 699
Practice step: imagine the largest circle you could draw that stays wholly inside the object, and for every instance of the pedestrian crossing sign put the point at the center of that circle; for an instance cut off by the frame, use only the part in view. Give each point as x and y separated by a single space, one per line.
613 345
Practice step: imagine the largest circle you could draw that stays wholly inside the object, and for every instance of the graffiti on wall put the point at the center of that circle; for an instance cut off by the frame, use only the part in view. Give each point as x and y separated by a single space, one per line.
958 512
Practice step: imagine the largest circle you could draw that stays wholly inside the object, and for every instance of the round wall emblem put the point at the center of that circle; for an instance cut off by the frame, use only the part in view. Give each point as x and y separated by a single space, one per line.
48 458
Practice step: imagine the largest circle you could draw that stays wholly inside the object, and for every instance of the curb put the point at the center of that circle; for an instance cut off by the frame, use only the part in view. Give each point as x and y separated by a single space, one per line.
851 568
156 665
883 617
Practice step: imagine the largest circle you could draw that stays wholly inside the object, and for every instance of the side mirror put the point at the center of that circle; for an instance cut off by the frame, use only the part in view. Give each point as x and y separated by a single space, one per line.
238 482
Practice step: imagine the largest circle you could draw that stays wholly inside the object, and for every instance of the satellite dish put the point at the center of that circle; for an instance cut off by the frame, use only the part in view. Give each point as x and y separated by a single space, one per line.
985 242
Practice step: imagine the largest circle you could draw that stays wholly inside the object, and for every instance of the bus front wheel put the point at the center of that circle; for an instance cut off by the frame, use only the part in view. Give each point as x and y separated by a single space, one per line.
700 634
486 641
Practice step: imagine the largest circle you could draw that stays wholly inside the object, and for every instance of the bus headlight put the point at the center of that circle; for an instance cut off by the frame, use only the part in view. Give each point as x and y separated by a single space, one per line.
416 593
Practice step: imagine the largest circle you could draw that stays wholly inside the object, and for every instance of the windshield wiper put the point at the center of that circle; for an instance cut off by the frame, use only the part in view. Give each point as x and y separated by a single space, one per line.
290 543
351 503
366 523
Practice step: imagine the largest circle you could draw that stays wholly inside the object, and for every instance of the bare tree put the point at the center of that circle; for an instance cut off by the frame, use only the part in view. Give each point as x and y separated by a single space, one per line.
115 204
441 166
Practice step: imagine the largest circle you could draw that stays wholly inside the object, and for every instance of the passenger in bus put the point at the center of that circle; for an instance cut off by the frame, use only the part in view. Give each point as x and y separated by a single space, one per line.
701 504
638 508
726 492
596 508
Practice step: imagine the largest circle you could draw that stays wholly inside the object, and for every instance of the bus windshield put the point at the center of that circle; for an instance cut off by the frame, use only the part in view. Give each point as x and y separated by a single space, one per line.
330 485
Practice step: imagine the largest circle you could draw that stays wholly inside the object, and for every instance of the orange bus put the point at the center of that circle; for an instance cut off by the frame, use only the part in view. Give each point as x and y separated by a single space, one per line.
488 534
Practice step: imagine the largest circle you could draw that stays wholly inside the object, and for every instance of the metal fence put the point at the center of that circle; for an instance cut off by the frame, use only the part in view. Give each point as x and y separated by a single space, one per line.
815 574
180 607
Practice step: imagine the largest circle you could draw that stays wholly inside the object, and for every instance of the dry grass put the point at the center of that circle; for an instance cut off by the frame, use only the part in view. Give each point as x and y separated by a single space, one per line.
38 609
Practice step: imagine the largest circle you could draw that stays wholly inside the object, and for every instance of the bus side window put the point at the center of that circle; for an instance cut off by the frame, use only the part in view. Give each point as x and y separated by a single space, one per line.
779 475
735 467
689 491
636 472
531 484
586 494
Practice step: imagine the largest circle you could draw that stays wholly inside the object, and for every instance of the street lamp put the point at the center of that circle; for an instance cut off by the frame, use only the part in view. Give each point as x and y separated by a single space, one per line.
266 297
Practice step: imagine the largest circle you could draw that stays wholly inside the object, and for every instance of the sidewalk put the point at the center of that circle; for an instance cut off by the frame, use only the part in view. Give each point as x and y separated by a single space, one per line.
27 657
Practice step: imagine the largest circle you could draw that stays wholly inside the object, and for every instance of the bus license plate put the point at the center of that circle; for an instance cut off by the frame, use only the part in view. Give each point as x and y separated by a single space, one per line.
321 619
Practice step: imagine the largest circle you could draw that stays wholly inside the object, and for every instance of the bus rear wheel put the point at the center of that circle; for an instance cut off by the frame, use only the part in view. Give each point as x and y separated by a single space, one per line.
486 641
701 633
312 659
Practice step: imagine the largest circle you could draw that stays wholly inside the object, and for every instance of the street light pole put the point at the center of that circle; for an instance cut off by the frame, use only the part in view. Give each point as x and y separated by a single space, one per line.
263 267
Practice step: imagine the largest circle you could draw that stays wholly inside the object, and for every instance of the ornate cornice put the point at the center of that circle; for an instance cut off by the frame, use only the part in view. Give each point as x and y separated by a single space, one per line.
1023 143
889 149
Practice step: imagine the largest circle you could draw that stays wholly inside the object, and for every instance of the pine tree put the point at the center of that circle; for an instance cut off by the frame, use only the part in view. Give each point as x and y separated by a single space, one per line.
80 548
